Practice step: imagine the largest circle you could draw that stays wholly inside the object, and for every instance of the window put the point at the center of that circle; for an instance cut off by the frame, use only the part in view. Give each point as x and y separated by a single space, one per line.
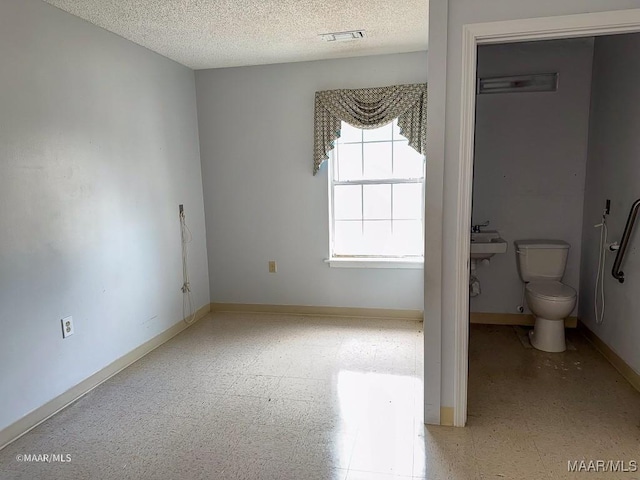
376 195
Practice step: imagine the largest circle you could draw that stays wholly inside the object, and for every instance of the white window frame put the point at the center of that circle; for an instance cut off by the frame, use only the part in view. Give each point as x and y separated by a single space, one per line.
370 261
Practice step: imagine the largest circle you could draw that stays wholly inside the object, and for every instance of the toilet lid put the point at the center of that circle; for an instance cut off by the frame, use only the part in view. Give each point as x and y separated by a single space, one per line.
551 290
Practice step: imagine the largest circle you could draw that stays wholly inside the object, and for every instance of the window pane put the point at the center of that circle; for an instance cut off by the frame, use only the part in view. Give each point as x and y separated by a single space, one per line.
377 160
349 133
377 202
382 133
407 201
377 239
349 162
347 202
378 219
396 131
407 237
347 237
407 163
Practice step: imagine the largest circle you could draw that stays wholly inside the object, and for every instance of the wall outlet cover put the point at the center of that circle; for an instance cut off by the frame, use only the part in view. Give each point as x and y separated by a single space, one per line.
67 327
273 267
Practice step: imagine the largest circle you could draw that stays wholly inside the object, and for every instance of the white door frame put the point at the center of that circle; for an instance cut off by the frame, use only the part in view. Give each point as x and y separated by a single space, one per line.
567 26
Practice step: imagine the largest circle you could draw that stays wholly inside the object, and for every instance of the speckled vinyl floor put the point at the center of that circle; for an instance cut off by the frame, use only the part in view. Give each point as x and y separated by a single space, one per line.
532 412
283 397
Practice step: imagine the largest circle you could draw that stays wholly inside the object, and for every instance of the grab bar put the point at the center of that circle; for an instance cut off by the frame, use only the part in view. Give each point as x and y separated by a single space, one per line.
628 229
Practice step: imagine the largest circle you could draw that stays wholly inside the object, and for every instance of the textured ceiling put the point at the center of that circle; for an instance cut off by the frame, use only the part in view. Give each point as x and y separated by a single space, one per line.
225 33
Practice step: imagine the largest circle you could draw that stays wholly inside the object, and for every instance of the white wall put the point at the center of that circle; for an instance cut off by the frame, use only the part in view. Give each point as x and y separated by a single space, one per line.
613 172
98 146
445 50
261 200
530 160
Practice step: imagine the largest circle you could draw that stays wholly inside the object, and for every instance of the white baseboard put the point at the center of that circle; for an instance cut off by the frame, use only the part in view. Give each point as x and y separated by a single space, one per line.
40 414
308 310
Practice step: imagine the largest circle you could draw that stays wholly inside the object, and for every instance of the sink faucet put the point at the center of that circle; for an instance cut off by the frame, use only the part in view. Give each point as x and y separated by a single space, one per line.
478 228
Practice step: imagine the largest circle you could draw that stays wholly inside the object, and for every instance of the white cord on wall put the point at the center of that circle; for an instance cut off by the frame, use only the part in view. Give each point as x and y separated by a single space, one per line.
599 290
187 304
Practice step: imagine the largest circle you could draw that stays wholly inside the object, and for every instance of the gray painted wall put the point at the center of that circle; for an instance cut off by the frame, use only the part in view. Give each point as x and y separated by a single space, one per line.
443 149
261 200
98 146
530 160
613 172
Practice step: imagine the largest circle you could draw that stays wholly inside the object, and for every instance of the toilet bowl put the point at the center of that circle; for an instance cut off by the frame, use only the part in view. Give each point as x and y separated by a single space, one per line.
550 302
541 265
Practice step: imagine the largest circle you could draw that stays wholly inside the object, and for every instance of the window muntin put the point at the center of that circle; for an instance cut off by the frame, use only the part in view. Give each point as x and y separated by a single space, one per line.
376 194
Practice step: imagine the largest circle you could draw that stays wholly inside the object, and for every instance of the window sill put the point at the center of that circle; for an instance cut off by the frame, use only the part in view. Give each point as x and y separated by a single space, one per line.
382 262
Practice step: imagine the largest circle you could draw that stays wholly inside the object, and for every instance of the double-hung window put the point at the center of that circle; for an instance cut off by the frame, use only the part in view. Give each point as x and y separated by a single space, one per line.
376 196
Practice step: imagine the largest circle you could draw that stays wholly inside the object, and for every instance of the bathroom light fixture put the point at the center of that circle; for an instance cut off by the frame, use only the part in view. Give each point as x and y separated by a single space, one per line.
543 82
343 36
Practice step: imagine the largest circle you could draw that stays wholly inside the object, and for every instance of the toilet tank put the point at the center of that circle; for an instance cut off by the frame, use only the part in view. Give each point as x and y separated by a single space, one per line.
541 259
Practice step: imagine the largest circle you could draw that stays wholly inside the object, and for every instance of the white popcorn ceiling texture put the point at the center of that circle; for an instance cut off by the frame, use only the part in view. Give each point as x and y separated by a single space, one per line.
225 33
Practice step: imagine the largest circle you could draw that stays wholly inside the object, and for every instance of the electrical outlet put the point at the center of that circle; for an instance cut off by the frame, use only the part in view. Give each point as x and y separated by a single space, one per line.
67 327
273 267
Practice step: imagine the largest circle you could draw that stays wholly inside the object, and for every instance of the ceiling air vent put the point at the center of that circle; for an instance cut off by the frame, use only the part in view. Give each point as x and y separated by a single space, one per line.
343 36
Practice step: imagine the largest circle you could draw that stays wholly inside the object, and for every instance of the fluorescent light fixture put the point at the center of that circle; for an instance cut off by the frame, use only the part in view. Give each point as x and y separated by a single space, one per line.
343 36
541 82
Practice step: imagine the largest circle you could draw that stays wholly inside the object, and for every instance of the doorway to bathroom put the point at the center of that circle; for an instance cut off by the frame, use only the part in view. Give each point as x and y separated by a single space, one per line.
555 170
473 35
530 164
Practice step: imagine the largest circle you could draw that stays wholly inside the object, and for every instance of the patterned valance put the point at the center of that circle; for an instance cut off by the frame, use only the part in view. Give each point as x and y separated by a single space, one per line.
369 108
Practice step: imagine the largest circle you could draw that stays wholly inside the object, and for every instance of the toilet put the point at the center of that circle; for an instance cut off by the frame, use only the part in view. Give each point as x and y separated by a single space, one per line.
541 265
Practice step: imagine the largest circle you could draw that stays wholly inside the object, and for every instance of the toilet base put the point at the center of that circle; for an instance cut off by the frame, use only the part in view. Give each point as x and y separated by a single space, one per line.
548 335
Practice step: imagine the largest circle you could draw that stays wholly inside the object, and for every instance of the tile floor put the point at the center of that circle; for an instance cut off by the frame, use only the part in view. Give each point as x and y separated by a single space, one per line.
531 412
283 397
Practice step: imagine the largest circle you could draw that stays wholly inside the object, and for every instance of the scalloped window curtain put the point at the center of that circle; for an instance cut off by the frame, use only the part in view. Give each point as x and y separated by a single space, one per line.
369 108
